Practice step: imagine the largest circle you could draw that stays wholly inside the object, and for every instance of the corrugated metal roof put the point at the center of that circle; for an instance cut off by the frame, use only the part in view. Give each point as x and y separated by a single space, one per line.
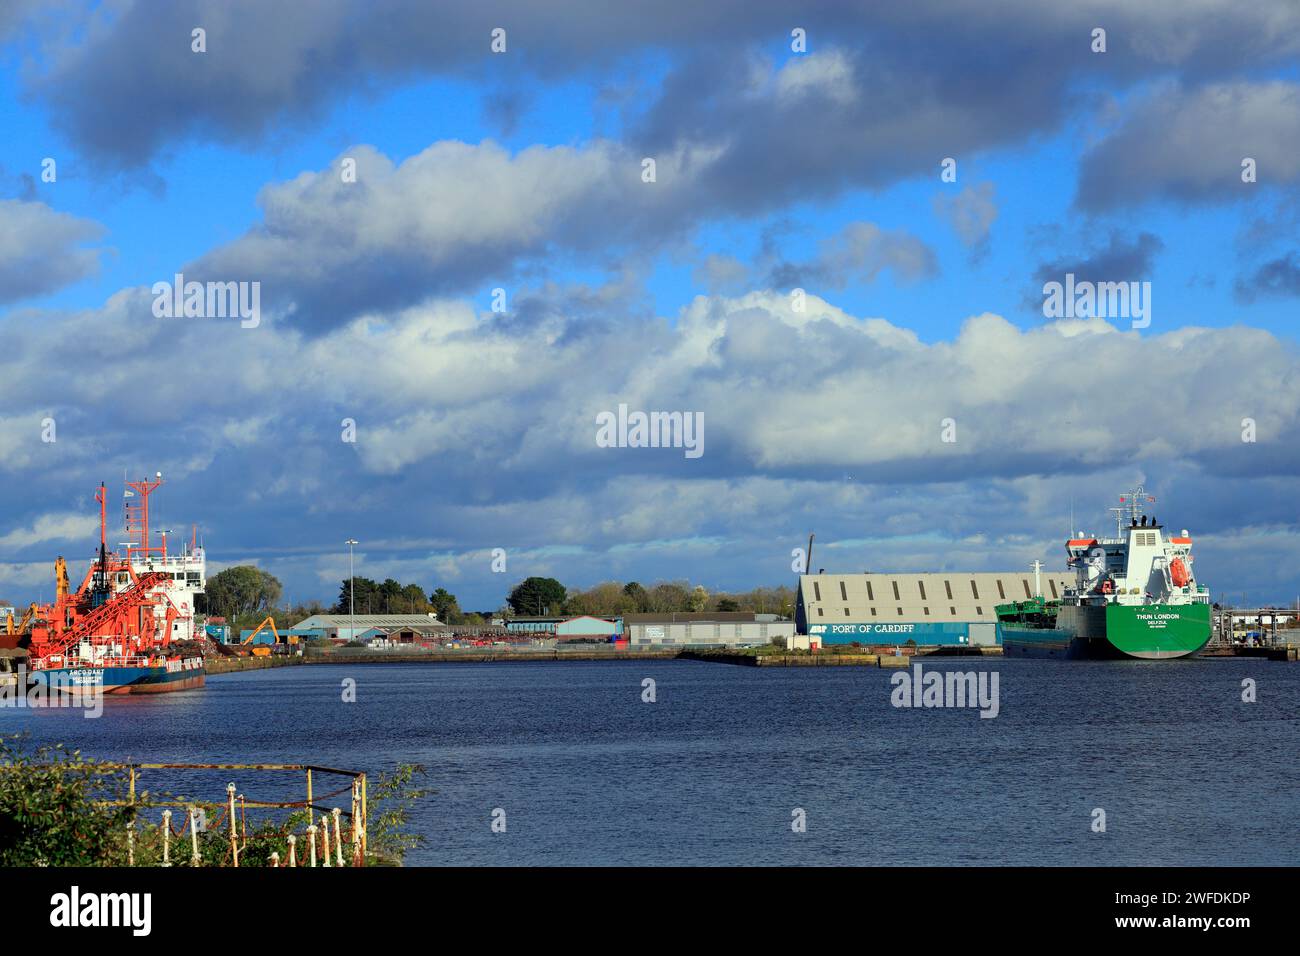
367 620
924 596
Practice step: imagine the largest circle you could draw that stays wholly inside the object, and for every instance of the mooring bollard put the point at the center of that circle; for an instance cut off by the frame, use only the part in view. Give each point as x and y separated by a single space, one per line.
325 835
130 843
275 858
293 853
195 859
167 838
311 832
234 830
338 835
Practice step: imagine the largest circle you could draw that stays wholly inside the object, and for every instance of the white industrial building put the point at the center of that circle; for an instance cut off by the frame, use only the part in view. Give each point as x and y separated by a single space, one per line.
347 627
705 629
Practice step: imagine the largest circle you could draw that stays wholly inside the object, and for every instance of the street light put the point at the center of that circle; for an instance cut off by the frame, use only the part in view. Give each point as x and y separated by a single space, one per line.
352 593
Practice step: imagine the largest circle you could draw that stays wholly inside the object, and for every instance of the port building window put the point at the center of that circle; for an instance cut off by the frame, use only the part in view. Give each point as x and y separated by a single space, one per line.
817 591
979 610
895 584
846 612
947 586
871 595
1028 593
954 611
844 594
900 612
1053 586
921 585
1001 593
821 613
927 612
974 590
873 612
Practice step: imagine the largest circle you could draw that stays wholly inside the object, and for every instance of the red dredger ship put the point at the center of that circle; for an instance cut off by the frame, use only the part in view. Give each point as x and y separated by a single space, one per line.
129 627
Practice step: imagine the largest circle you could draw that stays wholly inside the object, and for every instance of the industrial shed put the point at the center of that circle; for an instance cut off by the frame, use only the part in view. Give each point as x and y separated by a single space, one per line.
925 608
705 629
346 627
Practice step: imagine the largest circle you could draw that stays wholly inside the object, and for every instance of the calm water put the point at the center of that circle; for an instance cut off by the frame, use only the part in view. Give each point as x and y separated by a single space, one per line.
709 774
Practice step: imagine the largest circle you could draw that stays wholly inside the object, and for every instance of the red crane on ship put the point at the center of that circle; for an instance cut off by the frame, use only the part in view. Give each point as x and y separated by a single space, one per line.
116 608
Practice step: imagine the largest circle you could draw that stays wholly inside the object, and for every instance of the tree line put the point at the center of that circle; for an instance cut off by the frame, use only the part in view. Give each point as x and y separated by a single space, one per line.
245 595
539 596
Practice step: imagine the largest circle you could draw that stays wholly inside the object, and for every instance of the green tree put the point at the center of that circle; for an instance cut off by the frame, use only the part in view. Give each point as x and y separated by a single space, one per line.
242 591
364 589
445 606
699 599
638 594
728 604
669 596
414 600
537 596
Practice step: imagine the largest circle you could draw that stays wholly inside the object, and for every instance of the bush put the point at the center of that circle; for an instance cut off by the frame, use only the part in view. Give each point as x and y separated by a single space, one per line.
49 814
52 814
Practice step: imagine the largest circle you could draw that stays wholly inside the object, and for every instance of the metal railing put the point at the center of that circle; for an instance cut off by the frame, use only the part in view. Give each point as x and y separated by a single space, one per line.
233 814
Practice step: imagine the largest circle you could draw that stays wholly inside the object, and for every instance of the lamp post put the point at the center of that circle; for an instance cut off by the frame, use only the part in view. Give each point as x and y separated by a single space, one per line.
352 593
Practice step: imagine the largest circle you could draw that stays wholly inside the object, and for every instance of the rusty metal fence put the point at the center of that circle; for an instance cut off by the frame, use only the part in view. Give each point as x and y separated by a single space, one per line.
324 839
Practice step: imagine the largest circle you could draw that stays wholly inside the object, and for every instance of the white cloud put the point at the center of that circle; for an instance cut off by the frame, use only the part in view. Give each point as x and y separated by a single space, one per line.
41 250
50 528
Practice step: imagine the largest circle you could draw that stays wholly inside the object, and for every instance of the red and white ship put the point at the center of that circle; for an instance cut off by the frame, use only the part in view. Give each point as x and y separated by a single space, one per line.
129 627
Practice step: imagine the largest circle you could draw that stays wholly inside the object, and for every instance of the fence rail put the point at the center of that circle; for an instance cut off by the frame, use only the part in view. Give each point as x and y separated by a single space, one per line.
234 816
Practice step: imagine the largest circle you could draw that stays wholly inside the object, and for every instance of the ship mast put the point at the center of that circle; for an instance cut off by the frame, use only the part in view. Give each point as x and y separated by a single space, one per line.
137 517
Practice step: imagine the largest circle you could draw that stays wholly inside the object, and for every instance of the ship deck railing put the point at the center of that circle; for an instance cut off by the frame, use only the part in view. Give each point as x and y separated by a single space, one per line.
77 663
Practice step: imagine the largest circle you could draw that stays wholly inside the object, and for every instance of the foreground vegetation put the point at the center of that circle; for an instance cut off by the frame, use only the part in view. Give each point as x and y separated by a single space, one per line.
60 808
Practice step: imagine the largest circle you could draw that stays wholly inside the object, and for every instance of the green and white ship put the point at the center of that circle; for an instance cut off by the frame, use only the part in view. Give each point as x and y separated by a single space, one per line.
1134 596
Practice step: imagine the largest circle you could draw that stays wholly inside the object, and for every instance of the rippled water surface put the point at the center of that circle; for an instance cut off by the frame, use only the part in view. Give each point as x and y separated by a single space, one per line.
711 771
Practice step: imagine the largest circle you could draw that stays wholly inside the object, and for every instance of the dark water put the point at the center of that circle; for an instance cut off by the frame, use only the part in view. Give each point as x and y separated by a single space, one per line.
709 774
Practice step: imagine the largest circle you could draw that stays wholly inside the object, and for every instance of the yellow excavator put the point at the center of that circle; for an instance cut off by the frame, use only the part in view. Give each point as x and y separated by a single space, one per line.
61 581
264 650
28 615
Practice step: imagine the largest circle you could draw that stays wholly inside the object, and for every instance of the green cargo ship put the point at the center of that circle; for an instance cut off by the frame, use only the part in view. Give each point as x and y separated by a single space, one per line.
1134 596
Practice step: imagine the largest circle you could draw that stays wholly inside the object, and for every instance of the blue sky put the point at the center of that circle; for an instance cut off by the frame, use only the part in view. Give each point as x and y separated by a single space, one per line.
521 171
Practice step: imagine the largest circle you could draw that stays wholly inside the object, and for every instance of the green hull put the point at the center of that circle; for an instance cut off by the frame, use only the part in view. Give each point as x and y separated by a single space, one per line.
1148 631
1158 631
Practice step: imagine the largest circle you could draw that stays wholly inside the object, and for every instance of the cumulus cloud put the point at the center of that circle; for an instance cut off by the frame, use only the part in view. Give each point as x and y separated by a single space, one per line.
1189 144
444 221
42 250
50 528
881 93
812 418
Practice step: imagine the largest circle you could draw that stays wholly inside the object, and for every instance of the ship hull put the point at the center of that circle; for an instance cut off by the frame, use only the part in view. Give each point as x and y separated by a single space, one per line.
1113 631
161 679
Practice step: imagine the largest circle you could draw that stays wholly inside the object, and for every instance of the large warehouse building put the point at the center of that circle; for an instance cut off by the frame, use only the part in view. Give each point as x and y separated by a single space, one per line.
931 608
